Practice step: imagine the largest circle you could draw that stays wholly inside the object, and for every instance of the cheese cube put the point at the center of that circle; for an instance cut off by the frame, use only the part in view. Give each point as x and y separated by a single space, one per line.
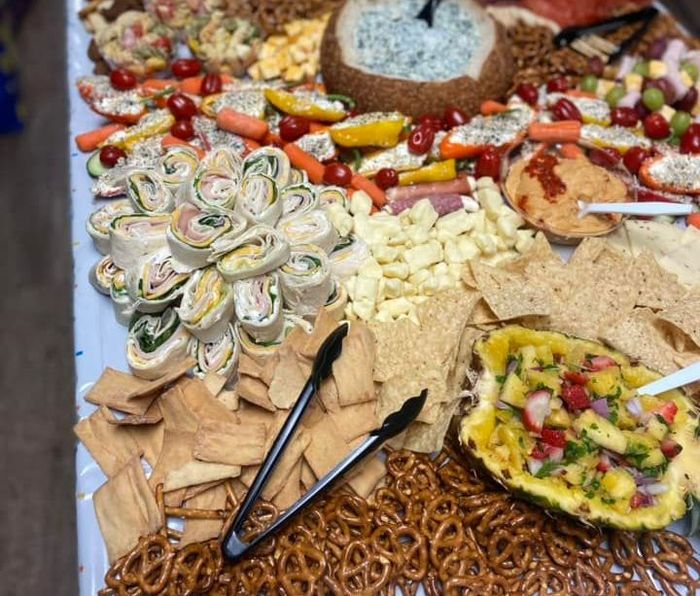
445 281
395 307
667 112
507 229
423 214
419 299
686 78
396 270
439 269
470 204
417 235
360 203
454 224
486 243
485 182
478 222
452 253
455 271
419 277
430 286
420 257
393 288
370 268
490 199
604 85
657 69
341 220
366 289
384 254
468 248
269 68
633 82
525 240
293 73
397 239
364 311
409 289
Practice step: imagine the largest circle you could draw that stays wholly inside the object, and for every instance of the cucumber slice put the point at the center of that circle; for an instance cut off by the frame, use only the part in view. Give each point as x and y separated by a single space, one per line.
94 166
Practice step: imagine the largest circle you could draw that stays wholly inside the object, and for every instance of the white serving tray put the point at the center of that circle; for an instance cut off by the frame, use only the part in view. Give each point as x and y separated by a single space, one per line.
99 339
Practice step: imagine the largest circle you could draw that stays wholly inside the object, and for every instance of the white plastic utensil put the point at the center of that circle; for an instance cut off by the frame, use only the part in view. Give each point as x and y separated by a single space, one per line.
652 208
681 377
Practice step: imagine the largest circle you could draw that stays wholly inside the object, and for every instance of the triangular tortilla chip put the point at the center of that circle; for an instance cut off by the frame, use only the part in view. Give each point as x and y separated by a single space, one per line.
657 288
427 438
685 315
248 366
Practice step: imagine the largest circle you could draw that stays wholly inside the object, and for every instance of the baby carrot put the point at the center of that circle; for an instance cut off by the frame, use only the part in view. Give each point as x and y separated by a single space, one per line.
571 151
491 107
375 193
241 124
305 161
191 85
91 140
566 131
694 220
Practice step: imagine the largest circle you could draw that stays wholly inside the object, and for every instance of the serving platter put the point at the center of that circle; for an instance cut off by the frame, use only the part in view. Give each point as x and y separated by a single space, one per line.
99 340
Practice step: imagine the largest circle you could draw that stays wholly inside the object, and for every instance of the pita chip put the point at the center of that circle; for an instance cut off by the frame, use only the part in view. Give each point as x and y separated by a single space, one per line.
328 395
288 380
149 438
356 420
308 478
152 415
201 530
367 477
286 465
229 399
110 446
254 391
291 490
352 371
193 473
113 388
203 403
327 447
172 375
177 413
324 325
230 443
214 382
126 509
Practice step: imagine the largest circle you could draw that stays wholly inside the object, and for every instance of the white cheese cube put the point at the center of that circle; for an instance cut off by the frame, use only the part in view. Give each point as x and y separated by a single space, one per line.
360 203
454 224
633 82
667 112
420 257
468 248
604 86
419 277
430 286
340 219
452 253
485 182
439 269
490 199
417 235
409 289
423 214
384 254
507 227
364 311
455 271
470 204
478 222
413 316
396 307
396 270
445 281
686 79
486 243
370 268
657 69
525 240
393 288
419 299
366 290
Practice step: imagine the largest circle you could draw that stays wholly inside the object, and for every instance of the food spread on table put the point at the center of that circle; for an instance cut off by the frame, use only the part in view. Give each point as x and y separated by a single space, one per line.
246 209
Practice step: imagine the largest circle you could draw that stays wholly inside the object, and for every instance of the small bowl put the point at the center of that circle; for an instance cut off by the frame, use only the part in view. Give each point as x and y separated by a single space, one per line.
526 150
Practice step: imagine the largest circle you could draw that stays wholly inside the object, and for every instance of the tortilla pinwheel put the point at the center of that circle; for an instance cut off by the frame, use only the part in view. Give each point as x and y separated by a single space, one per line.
99 222
258 200
224 158
271 161
177 166
154 284
258 303
261 348
310 228
124 306
298 199
213 189
207 304
102 273
306 279
218 356
134 236
148 192
348 255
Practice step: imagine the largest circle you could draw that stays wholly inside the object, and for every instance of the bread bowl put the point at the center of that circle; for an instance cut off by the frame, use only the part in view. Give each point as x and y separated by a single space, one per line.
370 53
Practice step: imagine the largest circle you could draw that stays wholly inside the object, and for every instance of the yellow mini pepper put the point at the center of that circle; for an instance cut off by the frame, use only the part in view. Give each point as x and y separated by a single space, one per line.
374 129
308 105
155 123
438 171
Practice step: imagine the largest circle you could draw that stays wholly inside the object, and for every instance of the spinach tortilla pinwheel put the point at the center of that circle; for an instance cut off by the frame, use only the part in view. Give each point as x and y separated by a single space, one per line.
259 199
102 273
99 222
334 194
155 343
219 356
258 303
310 228
148 192
154 283
298 199
177 166
213 189
336 302
256 348
192 232
132 237
124 306
207 304
298 176
258 250
271 161
306 279
348 255
224 158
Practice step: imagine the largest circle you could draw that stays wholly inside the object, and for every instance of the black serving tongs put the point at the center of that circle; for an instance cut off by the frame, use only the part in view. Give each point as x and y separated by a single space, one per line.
233 547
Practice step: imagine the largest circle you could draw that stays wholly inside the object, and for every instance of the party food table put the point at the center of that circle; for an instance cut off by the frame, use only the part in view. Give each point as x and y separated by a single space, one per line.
432 261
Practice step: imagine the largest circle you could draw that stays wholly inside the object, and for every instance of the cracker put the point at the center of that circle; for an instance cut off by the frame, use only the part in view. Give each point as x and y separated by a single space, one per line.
324 325
328 394
157 385
149 438
308 478
352 371
356 420
200 530
126 509
152 415
229 399
177 413
203 403
230 443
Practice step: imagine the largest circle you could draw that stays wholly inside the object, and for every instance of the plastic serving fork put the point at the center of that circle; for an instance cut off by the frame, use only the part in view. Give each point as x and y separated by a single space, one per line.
652 208
680 378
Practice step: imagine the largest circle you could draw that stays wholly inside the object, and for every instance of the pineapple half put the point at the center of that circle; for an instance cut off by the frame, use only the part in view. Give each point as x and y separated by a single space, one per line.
558 421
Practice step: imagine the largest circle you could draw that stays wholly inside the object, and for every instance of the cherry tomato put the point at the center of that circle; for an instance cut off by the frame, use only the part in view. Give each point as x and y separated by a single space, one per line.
421 140
634 158
110 155
607 157
453 116
182 129
528 93
211 83
688 101
386 178
431 121
186 67
293 127
690 141
122 79
489 164
558 84
565 109
163 43
596 66
656 126
181 106
338 174
624 117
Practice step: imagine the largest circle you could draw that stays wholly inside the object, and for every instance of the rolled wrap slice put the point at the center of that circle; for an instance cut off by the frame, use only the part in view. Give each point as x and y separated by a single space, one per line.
177 166
219 356
98 223
335 304
259 200
310 228
154 283
306 280
271 161
124 306
333 194
298 176
258 250
348 255
258 303
148 192
298 199
102 273
262 348
224 158
155 343
207 304
192 232
131 237
213 189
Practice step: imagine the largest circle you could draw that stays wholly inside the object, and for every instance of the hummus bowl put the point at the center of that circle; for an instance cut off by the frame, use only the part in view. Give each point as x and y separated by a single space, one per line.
544 183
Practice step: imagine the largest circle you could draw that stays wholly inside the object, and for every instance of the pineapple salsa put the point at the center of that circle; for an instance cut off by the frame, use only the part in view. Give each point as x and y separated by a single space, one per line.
559 419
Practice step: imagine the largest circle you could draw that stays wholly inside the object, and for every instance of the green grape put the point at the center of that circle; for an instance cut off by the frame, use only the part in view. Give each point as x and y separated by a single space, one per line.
692 70
641 68
680 122
615 95
653 99
589 83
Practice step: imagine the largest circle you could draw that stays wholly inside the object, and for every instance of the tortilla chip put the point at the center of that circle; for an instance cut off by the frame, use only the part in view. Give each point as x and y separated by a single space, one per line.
367 477
110 446
229 399
126 509
172 375
149 438
427 438
193 473
685 315
352 371
286 465
113 388
326 449
482 314
200 530
324 325
291 491
288 380
152 415
230 443
254 391
393 342
214 382
509 295
356 420
658 288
